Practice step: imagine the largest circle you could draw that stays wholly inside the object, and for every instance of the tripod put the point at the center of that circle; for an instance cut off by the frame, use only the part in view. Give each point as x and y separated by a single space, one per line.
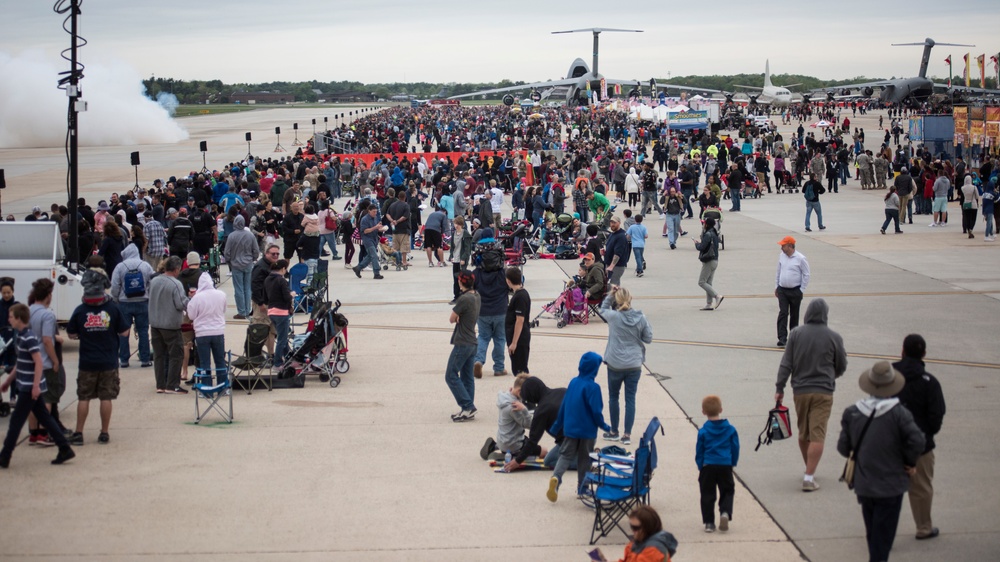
249 153
297 142
136 177
278 147
204 166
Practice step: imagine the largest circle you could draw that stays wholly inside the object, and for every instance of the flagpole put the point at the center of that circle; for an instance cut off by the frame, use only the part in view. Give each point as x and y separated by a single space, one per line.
948 60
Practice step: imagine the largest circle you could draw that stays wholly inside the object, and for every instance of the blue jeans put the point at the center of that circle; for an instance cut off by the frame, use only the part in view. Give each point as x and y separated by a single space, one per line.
814 206
371 257
988 217
458 375
328 240
552 457
842 172
241 290
492 328
212 347
281 339
735 195
615 379
640 263
673 227
137 313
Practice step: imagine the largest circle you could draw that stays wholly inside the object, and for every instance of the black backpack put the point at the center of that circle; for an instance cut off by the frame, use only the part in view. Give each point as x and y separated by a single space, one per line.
133 283
491 259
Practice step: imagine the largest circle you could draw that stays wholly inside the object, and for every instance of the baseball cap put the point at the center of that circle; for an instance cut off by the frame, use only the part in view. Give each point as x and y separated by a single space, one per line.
589 256
786 240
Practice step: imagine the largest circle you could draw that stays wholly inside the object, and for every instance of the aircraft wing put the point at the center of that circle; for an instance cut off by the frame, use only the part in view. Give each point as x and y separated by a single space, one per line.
960 88
748 87
533 85
852 86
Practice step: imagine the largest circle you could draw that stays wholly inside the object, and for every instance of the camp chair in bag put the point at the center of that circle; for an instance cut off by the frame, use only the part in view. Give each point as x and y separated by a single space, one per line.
214 395
249 368
614 501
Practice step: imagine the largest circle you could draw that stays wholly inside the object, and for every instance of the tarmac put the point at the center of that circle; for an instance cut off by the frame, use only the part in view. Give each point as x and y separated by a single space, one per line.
375 469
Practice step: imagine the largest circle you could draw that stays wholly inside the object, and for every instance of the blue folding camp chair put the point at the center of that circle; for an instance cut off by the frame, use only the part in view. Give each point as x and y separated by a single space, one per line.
213 394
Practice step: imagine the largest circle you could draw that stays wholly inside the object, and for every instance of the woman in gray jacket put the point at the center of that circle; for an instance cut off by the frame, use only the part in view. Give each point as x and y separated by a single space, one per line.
628 332
886 443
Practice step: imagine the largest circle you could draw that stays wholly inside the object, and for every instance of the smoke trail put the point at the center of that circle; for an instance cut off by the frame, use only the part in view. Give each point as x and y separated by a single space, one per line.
167 101
33 110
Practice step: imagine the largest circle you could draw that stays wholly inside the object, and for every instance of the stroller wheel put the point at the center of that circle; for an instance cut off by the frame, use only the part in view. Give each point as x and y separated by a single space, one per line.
385 266
561 324
323 377
342 366
335 382
287 373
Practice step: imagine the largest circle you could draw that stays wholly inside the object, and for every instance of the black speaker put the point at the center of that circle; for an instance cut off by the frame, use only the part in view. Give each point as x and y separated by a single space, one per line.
326 120
295 126
135 158
314 121
3 182
277 130
203 146
341 115
248 137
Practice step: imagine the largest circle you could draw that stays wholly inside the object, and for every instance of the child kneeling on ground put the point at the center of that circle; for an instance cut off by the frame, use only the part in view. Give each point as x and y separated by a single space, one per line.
514 418
717 452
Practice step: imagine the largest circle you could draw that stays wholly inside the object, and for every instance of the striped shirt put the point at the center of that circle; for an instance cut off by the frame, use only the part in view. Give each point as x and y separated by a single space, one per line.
27 344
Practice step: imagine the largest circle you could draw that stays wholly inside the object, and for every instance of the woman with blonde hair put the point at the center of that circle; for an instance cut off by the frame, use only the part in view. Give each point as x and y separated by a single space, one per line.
628 332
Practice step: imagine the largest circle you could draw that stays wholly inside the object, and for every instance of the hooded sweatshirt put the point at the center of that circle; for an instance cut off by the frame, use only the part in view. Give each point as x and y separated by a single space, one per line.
662 543
718 444
628 331
207 308
511 424
547 403
814 355
893 442
242 249
922 396
130 261
582 410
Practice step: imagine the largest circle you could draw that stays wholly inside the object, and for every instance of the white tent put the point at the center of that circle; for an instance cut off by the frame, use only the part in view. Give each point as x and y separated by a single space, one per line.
643 112
678 109
660 112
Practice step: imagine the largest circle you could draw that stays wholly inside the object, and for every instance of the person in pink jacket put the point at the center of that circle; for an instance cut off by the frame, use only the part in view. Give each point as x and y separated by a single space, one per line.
207 310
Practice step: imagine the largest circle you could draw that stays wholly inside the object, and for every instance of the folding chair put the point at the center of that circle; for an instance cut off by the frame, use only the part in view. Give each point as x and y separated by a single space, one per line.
620 489
297 276
215 395
252 364
315 290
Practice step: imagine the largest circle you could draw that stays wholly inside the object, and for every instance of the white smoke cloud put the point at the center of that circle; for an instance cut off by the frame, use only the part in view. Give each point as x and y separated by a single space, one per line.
168 101
33 110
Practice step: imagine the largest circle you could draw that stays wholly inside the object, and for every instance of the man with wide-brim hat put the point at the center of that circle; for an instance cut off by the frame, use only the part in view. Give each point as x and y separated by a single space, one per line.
886 443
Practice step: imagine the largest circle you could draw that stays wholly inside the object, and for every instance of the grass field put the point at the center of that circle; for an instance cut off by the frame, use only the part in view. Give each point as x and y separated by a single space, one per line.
189 110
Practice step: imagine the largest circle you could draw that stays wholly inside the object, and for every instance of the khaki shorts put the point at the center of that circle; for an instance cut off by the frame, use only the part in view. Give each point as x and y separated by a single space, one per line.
56 385
400 242
813 413
102 385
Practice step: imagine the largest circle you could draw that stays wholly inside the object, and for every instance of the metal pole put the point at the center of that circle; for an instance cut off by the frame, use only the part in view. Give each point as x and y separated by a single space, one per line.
596 38
73 91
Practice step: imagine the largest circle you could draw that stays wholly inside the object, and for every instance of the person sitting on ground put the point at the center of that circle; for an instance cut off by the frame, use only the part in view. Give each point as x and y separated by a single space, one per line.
513 419
650 543
547 402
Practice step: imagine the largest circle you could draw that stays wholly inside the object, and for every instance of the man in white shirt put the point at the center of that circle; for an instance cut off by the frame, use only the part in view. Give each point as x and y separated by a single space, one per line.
790 282
496 202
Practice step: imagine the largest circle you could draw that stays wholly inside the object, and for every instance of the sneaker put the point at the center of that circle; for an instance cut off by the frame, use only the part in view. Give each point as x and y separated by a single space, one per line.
626 440
502 373
348 266
822 228
724 522
33 439
780 343
4 462
356 272
488 447
639 274
378 277
464 415
336 258
65 453
161 391
239 317
707 307
933 225
45 441
76 439
146 364
809 485
477 370
718 301
934 532
609 436
808 230
103 438
553 492
709 527
673 246
430 264
123 365
177 390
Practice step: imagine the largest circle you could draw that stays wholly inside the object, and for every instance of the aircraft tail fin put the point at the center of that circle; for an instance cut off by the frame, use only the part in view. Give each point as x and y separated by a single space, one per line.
767 73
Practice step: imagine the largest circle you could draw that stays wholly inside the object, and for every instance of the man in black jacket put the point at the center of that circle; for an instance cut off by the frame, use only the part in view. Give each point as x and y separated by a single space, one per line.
922 396
547 401
257 277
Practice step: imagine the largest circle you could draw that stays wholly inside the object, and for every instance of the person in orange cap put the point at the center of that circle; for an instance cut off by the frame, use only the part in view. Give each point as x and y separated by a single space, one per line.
789 285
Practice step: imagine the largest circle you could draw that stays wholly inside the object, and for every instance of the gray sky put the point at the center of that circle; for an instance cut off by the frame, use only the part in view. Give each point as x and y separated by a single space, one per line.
477 41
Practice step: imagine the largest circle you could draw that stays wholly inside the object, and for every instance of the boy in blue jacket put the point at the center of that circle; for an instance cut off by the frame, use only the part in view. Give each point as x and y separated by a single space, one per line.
580 414
717 452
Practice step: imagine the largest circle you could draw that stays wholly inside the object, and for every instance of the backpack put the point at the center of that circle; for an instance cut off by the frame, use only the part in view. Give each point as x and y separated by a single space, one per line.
133 283
778 426
330 222
492 259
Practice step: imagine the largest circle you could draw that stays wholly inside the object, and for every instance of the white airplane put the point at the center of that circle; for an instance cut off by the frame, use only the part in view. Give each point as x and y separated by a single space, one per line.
774 95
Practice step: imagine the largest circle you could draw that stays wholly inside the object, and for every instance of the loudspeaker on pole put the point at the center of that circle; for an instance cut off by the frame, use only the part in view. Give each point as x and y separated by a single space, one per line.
248 137
135 158
3 182
203 146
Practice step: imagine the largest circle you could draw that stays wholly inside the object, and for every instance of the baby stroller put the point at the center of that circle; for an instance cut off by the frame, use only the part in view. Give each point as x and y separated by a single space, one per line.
210 263
322 350
569 307
515 244
750 188
789 183
387 257
715 213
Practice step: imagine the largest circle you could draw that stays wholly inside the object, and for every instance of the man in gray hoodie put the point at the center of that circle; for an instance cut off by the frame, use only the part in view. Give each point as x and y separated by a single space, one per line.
166 311
241 254
814 358
130 289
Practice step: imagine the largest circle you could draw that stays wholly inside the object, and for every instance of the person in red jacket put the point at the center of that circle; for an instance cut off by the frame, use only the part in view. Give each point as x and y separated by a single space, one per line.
650 543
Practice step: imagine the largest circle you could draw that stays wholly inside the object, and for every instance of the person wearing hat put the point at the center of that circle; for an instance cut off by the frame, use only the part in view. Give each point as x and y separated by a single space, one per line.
36 215
922 396
886 443
789 284
590 278
814 359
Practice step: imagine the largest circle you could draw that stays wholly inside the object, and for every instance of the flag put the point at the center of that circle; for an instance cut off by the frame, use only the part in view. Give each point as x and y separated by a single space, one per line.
981 60
604 89
948 62
588 87
618 89
968 70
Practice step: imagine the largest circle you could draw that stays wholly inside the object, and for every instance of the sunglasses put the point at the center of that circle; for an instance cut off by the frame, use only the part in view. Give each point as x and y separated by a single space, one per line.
635 527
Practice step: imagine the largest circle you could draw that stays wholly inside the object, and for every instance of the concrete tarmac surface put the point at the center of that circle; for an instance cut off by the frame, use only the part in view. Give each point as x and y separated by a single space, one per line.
376 470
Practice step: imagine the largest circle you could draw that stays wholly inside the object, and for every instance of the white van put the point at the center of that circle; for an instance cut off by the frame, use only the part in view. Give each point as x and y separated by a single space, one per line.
32 250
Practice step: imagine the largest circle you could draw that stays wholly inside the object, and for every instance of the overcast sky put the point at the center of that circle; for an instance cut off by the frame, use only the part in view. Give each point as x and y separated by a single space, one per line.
479 41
